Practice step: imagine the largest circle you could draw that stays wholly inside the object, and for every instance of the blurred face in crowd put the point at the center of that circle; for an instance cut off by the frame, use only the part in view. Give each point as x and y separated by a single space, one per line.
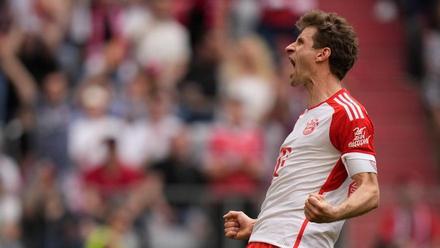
210 47
95 100
139 87
302 56
158 107
234 108
55 87
181 145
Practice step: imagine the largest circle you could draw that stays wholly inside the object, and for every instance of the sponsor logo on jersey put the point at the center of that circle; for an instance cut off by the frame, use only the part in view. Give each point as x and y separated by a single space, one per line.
360 138
311 126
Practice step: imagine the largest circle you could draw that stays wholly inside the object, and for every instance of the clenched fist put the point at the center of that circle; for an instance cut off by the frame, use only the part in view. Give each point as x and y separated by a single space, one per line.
238 225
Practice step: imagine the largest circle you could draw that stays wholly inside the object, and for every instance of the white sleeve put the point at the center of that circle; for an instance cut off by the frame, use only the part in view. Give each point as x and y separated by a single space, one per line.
356 162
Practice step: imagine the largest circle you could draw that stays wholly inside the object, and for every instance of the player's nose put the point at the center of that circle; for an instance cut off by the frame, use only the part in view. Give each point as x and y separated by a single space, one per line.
290 48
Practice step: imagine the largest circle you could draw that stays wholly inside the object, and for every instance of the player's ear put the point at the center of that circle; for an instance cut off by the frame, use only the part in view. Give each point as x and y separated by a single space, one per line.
323 54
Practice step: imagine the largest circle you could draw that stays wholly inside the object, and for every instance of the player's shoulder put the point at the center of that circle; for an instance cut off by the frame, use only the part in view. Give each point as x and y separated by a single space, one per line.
347 108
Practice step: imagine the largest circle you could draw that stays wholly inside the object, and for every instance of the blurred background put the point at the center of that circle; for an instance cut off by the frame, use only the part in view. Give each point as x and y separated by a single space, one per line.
139 123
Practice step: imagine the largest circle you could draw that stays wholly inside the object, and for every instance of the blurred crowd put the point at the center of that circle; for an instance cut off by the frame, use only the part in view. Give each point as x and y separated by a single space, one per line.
412 219
410 216
137 123
421 22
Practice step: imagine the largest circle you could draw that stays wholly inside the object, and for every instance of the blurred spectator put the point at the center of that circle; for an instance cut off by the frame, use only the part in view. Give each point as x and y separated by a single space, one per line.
47 18
106 24
117 198
132 104
37 57
415 16
18 84
160 43
122 198
248 74
147 141
87 133
54 16
80 18
10 214
199 87
184 189
53 115
20 136
112 178
116 232
277 21
46 222
411 222
234 162
10 205
385 10
181 171
198 17
244 16
105 45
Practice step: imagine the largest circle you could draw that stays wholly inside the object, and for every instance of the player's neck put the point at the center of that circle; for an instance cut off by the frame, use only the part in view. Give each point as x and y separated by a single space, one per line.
321 88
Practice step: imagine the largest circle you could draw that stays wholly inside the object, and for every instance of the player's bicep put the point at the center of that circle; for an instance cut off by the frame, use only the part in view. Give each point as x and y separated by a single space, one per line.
367 181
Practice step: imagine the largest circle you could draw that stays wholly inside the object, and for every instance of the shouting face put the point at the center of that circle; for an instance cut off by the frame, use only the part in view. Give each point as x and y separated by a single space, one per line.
302 56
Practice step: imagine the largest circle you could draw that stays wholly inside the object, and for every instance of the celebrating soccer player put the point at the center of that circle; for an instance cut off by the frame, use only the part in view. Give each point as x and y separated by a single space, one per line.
326 169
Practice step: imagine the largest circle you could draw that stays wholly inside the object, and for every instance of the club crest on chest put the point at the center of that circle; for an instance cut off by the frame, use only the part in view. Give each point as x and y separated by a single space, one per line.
311 126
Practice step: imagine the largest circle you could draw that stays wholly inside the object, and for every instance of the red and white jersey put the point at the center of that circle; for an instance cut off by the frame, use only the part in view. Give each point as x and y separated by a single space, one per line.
312 159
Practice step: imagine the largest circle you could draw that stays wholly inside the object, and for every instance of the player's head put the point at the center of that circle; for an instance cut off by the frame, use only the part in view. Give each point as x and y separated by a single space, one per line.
326 40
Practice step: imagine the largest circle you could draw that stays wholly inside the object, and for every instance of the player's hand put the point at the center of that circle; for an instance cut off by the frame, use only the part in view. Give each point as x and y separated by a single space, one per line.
318 210
238 225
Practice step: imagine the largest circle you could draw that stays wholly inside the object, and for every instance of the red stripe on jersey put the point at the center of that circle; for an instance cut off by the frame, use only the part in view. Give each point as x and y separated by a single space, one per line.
300 234
334 180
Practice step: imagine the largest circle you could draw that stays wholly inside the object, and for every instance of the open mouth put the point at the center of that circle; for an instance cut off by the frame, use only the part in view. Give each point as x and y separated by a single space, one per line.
292 62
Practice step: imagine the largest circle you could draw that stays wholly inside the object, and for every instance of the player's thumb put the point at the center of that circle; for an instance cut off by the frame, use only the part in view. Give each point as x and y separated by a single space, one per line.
231 214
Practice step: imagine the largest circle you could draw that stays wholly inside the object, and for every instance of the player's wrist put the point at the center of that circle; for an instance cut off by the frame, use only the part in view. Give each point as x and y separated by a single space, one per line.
337 213
251 226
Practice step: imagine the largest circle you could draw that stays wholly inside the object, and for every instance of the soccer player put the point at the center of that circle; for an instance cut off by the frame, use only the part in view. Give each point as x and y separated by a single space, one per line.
326 169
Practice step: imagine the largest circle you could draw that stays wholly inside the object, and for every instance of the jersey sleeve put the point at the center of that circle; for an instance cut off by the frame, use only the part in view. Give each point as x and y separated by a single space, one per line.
352 135
354 138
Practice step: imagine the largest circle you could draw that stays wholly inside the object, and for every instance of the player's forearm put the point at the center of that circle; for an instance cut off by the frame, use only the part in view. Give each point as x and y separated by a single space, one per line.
363 200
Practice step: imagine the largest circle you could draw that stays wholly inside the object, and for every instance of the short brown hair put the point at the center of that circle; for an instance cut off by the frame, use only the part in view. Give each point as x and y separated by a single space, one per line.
335 32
